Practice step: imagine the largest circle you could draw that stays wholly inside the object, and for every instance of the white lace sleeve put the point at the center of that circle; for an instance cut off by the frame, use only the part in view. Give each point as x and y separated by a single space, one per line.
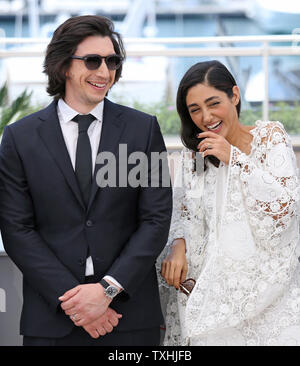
269 182
180 213
252 261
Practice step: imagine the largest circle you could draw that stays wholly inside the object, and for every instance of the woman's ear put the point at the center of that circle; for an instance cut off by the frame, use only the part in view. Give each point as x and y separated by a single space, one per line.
236 95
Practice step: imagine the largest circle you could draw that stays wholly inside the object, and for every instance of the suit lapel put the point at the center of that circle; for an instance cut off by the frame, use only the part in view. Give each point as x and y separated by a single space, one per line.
111 132
51 135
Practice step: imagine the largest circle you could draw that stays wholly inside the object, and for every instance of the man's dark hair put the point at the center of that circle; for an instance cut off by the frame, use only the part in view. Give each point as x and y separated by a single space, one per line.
64 43
214 74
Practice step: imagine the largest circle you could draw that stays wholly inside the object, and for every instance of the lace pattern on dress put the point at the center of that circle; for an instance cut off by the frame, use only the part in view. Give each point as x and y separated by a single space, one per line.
247 276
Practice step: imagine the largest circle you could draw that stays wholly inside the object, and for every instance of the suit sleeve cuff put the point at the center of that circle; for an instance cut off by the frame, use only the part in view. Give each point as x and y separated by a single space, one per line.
111 279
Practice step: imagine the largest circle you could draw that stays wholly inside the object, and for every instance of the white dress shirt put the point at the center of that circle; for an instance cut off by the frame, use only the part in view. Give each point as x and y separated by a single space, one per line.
69 130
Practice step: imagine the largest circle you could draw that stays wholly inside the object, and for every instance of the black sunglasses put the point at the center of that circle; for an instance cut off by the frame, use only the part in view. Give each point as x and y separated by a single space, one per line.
93 62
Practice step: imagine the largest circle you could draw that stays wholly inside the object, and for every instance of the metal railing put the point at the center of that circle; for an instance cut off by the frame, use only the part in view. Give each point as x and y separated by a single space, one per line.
264 50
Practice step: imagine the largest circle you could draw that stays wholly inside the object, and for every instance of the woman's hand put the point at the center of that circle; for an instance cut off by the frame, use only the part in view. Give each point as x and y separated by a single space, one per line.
174 267
215 145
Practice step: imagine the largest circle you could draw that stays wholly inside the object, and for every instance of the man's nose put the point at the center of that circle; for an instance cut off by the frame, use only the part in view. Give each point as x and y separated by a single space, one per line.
103 69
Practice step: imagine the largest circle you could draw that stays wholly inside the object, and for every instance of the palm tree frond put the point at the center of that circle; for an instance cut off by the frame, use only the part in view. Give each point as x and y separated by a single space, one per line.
20 106
3 95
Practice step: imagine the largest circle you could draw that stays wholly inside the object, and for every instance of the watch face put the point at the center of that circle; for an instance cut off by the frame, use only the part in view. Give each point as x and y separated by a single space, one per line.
111 291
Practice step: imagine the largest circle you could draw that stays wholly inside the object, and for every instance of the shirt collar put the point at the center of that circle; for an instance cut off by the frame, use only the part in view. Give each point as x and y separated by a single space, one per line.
67 113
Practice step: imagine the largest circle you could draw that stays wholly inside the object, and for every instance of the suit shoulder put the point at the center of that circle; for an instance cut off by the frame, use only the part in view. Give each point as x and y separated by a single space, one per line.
135 114
26 122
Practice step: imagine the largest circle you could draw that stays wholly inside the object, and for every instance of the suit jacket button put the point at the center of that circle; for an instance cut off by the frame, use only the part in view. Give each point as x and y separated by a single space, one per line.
81 261
89 223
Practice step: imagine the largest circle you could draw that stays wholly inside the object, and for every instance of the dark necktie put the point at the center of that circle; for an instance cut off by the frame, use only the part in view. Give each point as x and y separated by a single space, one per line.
83 163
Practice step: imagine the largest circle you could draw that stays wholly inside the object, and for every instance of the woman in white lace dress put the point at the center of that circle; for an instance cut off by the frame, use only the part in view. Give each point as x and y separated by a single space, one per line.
235 224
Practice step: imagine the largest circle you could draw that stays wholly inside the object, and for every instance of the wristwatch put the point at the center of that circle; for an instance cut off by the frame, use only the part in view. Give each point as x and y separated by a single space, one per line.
110 290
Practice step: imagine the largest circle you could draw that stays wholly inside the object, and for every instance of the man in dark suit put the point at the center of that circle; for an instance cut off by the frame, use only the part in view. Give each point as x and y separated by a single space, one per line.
87 253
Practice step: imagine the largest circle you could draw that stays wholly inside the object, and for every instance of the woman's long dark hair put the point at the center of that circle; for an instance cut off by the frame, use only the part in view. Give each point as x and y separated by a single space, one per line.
64 43
215 74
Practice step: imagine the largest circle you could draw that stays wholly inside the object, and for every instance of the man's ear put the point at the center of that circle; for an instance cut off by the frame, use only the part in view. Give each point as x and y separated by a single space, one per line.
236 95
66 70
